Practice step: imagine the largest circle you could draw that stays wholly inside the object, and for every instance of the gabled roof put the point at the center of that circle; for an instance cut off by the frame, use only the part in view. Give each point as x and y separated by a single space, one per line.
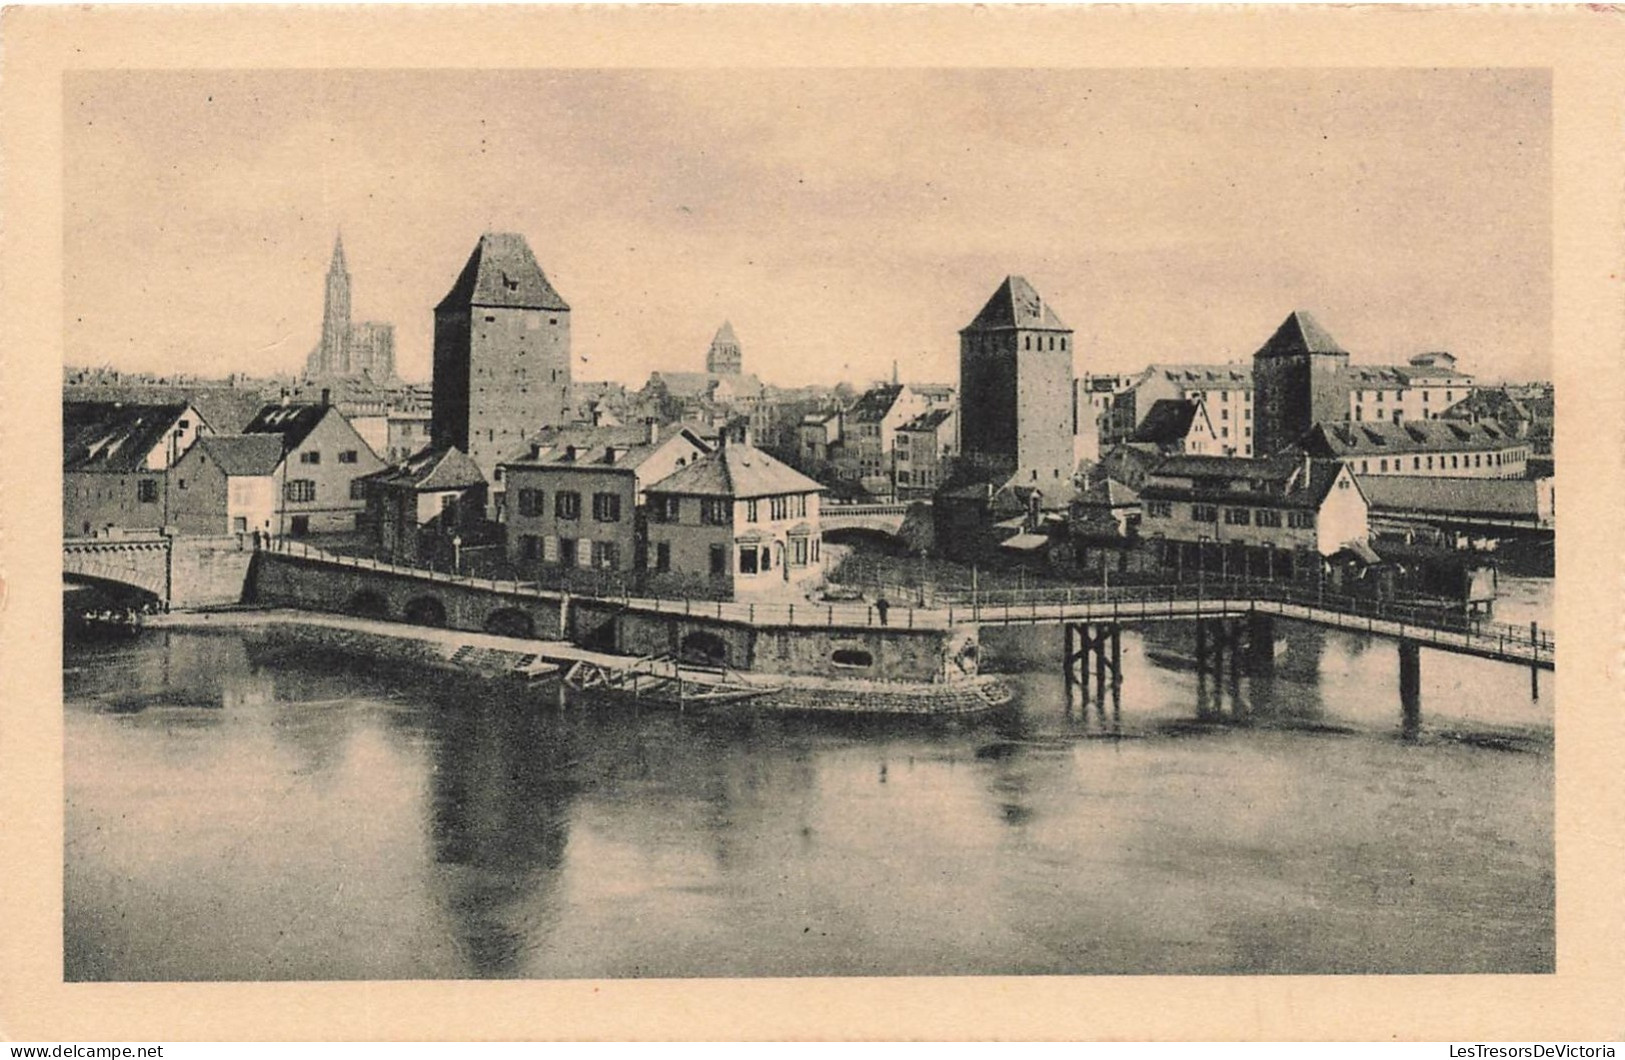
432 470
873 404
1167 422
736 470
1016 305
1279 479
928 421
242 455
1380 438
502 272
1494 497
598 448
1300 333
700 384
292 422
1206 376
113 435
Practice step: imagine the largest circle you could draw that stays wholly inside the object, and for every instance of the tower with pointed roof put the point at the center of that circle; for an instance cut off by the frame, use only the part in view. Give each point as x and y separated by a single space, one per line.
1015 379
1299 379
725 357
501 353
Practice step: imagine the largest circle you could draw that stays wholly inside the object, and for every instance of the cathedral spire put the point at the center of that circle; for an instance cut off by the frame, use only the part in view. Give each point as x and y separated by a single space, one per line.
338 254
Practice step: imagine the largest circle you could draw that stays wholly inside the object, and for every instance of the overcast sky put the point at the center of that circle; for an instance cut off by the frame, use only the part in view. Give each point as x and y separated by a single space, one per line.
840 219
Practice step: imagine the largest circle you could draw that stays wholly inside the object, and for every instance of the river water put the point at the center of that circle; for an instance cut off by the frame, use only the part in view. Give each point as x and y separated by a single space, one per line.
237 810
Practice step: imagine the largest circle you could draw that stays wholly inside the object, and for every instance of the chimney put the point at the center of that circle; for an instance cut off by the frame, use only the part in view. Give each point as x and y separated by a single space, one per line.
327 397
653 427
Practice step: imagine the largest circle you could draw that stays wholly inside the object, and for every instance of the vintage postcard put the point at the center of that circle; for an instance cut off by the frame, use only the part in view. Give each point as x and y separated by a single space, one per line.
812 522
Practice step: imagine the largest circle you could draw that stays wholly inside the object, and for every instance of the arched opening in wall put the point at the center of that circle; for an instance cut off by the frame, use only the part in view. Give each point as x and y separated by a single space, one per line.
705 649
855 658
511 622
367 604
426 611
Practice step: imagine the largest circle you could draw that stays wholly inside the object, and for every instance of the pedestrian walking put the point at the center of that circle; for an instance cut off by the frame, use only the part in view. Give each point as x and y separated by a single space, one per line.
882 605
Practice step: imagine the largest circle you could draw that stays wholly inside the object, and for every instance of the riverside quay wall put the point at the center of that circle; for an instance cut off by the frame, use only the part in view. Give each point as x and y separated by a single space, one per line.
837 647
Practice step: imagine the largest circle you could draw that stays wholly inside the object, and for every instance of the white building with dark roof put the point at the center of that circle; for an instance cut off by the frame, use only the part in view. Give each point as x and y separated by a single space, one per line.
736 522
1433 448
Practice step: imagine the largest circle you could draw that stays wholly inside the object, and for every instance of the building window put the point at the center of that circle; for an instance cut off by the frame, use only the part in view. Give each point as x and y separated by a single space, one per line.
1159 509
358 489
747 561
300 489
606 507
664 509
719 559
798 551
606 555
531 502
347 456
1301 520
146 490
751 511
1204 513
239 524
567 552
312 457
1382 465
1063 342
1365 467
662 557
1238 516
530 547
716 511
1268 517
1359 414
567 505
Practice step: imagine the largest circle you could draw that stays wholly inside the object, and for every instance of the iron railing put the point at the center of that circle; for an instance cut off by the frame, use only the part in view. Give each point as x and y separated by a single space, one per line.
1216 598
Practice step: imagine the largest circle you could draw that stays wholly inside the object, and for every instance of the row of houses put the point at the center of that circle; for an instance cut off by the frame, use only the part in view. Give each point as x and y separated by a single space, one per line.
292 469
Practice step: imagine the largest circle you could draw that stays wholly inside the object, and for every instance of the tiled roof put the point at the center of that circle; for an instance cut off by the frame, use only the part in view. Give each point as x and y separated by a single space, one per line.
112 435
293 422
433 469
928 421
1167 422
1016 305
725 335
736 470
1299 333
874 403
502 272
1207 376
243 454
1226 479
700 384
1494 497
1412 436
584 446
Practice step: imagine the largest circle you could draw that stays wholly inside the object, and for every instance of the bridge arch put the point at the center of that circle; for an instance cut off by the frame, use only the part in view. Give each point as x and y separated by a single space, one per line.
702 646
511 622
113 590
425 611
367 603
877 537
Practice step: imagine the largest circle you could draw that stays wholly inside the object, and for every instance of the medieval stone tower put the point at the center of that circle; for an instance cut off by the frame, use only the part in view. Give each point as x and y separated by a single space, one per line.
501 353
1299 379
725 357
1015 379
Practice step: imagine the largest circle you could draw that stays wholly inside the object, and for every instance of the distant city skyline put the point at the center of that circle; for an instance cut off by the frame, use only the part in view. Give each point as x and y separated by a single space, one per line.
842 220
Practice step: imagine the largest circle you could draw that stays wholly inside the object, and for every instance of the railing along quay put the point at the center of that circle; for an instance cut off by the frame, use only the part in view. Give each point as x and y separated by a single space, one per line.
1407 620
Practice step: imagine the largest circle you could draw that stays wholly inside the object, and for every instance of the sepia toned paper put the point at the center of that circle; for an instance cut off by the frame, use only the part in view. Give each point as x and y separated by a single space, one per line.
47 49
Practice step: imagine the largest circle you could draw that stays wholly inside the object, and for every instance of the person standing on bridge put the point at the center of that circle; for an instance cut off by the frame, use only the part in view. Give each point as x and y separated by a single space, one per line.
882 605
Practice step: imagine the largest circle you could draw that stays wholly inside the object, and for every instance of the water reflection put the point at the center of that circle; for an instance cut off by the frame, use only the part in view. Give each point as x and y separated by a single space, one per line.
330 818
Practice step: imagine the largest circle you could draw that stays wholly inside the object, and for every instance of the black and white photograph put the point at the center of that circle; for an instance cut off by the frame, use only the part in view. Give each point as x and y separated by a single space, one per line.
800 522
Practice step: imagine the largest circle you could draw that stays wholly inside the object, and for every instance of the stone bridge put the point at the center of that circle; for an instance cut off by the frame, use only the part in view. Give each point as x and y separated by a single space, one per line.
179 571
906 521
